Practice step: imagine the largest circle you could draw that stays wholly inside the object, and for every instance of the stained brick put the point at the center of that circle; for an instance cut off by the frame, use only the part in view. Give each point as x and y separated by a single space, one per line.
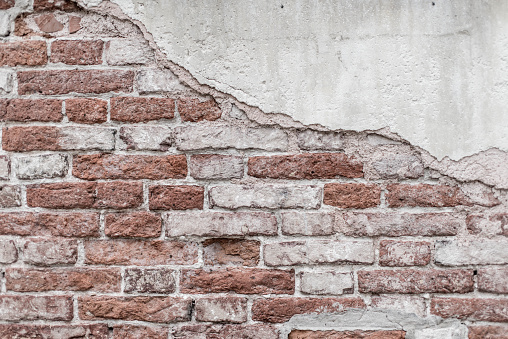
77 52
51 5
487 332
143 109
493 279
352 195
404 253
46 251
230 331
6 4
23 331
150 280
425 195
223 251
136 332
23 53
10 196
474 309
28 308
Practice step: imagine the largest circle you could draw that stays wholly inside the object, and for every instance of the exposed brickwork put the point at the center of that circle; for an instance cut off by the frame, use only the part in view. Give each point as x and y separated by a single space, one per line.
136 204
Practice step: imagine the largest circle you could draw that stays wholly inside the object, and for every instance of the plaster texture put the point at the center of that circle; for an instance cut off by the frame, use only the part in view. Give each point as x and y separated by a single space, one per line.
434 72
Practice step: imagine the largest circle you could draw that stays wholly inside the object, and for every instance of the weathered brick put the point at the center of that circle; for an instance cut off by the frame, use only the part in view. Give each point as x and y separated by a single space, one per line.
5 167
116 194
51 5
10 196
216 166
48 23
220 251
400 303
50 224
308 223
393 163
154 309
136 224
487 332
140 252
489 225
222 309
86 110
319 252
155 80
230 331
425 195
401 224
63 279
6 76
77 52
238 280
473 252
51 138
141 109
315 140
352 195
404 253
150 280
329 282
55 82
121 52
152 138
6 4
195 110
23 53
356 334
265 196
305 166
416 281
136 332
176 197
493 279
474 309
74 24
25 110
219 223
8 252
109 166
23 331
24 307
279 310
41 166
46 251
204 136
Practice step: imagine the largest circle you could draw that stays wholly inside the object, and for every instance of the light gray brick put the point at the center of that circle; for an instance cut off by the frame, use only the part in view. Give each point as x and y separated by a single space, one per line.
5 81
308 223
329 282
222 309
265 196
5 167
315 140
215 166
10 196
152 138
472 252
153 80
128 52
41 166
8 252
87 138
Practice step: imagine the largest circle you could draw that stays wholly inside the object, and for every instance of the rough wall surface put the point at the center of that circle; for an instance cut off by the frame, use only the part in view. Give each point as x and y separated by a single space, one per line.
137 204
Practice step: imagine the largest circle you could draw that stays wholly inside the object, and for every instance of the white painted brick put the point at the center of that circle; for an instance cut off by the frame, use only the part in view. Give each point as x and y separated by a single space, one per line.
219 224
315 140
308 223
474 252
326 282
5 81
225 309
41 166
319 252
265 196
87 138
153 138
128 52
154 80
4 167
8 252
203 136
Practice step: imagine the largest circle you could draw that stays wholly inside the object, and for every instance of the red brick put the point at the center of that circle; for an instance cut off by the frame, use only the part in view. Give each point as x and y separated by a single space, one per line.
6 4
128 109
56 82
86 111
74 24
493 279
352 195
136 332
404 253
231 252
117 195
425 195
23 53
149 280
108 166
63 279
222 309
21 307
140 253
154 309
52 5
488 332
77 52
50 224
416 281
136 224
238 280
194 110
50 251
357 334
31 110
474 309
48 23
176 197
24 331
305 166
279 310
216 331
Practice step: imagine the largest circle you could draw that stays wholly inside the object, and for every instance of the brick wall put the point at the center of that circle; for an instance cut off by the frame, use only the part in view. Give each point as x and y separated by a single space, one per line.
135 206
